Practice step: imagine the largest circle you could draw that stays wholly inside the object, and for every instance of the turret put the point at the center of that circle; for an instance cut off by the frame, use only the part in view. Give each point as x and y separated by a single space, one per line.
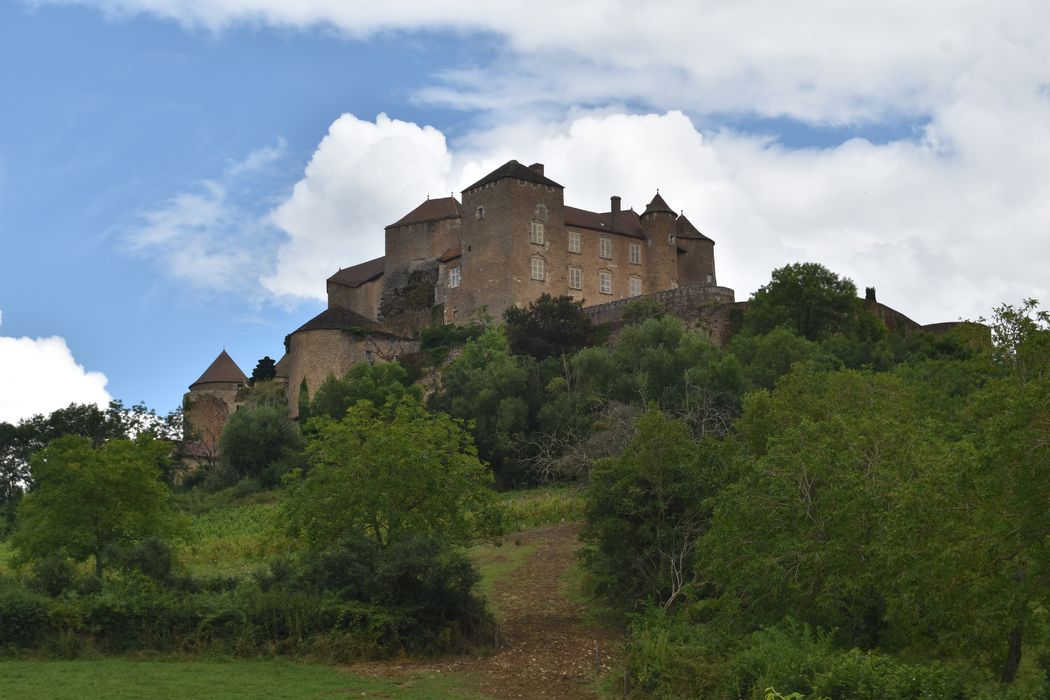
658 225
696 258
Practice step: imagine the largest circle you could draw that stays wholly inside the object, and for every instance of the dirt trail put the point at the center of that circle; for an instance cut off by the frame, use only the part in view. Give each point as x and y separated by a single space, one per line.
545 650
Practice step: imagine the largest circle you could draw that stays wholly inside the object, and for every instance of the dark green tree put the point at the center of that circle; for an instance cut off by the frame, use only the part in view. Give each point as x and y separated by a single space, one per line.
264 371
808 298
259 440
547 327
646 511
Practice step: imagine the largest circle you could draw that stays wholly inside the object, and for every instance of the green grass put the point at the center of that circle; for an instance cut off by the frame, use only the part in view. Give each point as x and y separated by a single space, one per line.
232 540
496 562
123 678
543 506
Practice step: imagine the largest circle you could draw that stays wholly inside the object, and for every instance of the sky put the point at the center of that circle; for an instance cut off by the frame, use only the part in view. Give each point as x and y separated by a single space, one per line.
180 177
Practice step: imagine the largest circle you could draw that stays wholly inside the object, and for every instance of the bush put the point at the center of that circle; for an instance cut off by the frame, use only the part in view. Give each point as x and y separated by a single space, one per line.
24 618
52 576
869 676
668 657
151 556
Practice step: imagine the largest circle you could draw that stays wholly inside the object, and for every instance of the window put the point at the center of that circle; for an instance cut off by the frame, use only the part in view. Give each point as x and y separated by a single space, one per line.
575 278
537 269
479 213
453 277
605 282
574 241
635 284
541 212
536 232
634 254
604 248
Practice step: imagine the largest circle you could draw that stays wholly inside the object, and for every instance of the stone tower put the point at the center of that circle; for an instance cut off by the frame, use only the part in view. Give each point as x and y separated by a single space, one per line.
658 224
696 259
512 247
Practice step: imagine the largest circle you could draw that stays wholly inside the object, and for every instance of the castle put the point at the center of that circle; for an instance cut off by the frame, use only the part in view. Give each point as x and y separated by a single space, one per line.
511 239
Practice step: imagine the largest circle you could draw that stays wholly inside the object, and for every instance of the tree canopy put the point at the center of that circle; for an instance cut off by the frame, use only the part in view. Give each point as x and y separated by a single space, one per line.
88 498
391 471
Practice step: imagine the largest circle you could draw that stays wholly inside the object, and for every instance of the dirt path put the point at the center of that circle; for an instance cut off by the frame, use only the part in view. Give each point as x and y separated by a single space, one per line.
546 650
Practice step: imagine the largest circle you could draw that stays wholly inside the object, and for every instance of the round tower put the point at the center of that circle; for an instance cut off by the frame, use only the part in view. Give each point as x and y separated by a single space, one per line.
658 225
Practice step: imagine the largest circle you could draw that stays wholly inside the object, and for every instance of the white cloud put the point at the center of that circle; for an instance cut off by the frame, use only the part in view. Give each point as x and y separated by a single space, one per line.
211 238
39 375
362 176
812 60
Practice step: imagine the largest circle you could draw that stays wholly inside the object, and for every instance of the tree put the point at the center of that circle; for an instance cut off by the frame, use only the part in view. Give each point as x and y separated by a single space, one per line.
391 472
264 371
646 510
365 381
808 298
89 498
260 440
973 562
547 327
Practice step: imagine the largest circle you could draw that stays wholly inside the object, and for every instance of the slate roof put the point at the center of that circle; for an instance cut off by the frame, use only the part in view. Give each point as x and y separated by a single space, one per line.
336 318
359 274
222 370
627 222
684 229
513 168
432 210
658 204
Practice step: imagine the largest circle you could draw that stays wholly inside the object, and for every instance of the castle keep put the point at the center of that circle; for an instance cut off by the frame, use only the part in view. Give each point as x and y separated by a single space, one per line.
509 240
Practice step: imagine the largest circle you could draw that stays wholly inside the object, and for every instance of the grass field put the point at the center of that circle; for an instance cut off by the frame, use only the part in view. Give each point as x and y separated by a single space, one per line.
117 679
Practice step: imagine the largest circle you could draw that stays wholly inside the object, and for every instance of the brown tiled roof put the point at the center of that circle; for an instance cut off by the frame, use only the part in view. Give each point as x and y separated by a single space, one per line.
450 254
684 229
359 274
336 318
513 168
627 222
432 210
658 204
222 370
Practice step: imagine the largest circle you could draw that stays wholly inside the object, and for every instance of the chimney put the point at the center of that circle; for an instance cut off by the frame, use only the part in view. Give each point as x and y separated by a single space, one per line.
615 202
537 168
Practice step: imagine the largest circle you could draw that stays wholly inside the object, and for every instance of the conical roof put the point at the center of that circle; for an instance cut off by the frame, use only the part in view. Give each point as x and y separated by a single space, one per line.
516 170
684 229
658 204
222 370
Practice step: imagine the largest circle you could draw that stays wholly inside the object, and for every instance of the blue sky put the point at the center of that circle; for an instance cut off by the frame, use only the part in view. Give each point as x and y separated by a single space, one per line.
178 178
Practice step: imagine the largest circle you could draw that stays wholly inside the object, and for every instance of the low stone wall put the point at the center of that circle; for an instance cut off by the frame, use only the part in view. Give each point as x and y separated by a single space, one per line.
712 309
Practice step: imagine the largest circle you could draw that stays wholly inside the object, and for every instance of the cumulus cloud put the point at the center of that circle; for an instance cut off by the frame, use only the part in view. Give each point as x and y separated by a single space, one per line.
39 375
212 236
363 176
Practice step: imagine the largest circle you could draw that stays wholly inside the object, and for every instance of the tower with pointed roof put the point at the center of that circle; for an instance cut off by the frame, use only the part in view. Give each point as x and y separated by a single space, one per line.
210 400
658 223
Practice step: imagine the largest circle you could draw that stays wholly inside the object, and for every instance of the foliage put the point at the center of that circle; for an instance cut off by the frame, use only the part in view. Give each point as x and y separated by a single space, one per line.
547 327
264 371
437 340
808 298
260 440
88 498
646 511
376 382
389 472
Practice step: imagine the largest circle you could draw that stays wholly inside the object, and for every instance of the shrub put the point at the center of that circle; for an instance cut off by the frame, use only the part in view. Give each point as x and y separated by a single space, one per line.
24 617
150 556
52 576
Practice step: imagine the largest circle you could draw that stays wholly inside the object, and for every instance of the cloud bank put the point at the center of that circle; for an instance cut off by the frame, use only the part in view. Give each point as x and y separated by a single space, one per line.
39 375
